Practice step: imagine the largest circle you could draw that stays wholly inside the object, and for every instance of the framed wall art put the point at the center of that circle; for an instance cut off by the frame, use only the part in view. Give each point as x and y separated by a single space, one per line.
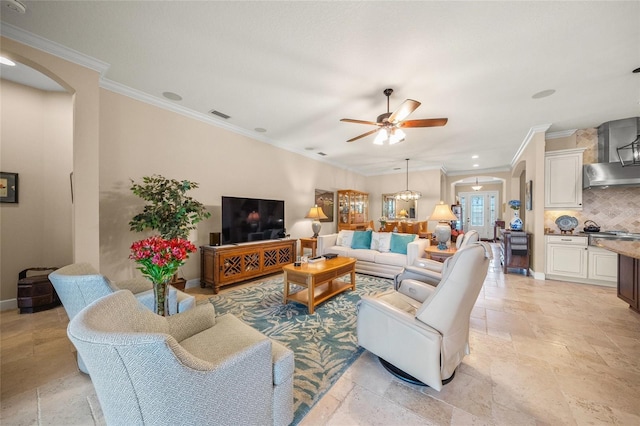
325 199
8 187
528 195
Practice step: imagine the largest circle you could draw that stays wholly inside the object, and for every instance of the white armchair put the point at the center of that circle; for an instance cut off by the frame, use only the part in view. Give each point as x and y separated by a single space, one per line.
192 368
422 332
79 284
430 271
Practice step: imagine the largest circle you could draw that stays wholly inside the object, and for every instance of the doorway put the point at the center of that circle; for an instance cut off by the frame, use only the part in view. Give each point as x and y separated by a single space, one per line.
479 212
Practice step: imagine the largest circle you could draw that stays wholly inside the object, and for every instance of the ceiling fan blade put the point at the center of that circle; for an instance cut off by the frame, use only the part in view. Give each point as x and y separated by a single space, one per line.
403 112
349 120
425 122
363 135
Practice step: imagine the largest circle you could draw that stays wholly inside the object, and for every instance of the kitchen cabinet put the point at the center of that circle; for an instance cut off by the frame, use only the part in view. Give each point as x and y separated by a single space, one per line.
563 179
566 257
570 258
603 265
629 281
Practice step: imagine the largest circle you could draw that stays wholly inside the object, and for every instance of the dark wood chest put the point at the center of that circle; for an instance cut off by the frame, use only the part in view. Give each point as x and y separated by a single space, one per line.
36 293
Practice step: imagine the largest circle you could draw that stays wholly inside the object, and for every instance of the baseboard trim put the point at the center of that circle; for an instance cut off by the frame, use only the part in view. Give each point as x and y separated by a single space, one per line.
195 282
7 305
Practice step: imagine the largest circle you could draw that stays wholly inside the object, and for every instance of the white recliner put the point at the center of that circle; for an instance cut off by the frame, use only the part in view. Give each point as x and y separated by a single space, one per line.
79 284
430 271
420 330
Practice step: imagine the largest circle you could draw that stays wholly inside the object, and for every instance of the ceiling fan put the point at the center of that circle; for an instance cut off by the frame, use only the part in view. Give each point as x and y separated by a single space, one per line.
389 124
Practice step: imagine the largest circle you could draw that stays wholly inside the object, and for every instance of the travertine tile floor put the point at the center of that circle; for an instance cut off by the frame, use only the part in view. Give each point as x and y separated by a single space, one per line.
543 352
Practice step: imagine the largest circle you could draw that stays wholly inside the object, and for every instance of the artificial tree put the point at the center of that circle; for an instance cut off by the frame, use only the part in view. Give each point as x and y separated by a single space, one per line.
169 210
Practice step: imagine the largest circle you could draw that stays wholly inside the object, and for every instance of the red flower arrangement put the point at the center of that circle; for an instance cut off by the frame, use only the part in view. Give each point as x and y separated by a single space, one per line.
159 259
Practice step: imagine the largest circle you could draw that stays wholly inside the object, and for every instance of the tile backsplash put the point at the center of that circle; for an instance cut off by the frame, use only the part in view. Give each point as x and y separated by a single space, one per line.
614 208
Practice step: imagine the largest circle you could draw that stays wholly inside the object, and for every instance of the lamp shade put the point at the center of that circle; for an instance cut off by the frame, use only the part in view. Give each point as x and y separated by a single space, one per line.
316 213
442 213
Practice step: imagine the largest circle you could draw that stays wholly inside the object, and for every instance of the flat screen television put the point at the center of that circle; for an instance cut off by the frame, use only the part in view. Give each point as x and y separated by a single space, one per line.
251 219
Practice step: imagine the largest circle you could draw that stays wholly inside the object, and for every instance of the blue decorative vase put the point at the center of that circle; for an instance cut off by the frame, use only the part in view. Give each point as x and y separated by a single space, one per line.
516 222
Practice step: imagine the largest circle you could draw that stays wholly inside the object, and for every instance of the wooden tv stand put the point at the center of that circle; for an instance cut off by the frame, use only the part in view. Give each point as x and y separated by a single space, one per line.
228 264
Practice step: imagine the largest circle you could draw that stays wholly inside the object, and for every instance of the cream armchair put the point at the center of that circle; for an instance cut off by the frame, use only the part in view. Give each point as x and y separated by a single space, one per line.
79 284
192 368
430 271
422 331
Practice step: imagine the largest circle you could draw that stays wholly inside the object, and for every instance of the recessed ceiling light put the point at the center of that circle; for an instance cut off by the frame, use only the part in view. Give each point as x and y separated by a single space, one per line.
543 94
476 165
7 61
172 96
474 156
260 130
15 6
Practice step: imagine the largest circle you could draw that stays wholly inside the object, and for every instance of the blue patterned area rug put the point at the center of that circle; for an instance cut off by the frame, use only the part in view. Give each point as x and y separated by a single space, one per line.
324 343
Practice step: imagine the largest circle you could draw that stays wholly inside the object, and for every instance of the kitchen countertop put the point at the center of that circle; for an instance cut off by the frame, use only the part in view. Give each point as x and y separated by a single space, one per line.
626 248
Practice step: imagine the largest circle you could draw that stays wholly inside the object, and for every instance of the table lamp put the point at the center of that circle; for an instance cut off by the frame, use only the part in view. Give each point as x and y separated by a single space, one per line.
316 214
443 214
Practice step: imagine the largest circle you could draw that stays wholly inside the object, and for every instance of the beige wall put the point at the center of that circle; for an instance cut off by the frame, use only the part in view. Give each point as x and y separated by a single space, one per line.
84 85
138 139
529 166
37 144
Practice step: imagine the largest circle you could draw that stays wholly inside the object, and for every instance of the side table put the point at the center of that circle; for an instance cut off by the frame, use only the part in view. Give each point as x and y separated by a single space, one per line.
310 243
439 255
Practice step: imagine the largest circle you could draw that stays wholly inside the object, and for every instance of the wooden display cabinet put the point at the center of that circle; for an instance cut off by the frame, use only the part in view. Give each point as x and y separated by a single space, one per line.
228 264
353 210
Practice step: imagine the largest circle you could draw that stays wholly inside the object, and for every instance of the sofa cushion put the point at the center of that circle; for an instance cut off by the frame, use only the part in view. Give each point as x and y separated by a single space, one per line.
361 240
394 259
381 241
363 254
399 242
344 238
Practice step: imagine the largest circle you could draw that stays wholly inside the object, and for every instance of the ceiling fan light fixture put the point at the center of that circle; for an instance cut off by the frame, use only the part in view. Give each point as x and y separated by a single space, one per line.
381 137
397 135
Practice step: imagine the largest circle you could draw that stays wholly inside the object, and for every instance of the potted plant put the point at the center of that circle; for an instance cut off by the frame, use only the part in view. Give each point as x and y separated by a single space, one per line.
169 210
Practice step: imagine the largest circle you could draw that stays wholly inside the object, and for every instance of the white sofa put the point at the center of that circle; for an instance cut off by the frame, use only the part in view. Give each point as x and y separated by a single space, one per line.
381 263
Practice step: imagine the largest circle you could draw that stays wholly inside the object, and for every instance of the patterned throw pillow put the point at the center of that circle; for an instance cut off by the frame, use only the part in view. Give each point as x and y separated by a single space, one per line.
344 238
381 241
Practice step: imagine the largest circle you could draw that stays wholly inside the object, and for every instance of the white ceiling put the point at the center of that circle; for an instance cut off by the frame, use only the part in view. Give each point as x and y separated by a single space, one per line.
297 68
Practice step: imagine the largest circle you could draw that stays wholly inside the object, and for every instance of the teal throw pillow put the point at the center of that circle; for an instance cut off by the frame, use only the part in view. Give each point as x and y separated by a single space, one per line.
361 240
399 242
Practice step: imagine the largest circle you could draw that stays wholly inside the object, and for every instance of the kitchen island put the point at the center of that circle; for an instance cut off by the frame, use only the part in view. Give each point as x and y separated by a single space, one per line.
628 268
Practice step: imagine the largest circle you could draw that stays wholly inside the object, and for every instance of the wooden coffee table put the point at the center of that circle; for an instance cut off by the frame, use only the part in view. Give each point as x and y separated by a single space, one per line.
318 278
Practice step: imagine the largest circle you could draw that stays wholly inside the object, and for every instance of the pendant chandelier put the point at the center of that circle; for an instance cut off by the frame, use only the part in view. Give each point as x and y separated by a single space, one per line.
408 195
476 187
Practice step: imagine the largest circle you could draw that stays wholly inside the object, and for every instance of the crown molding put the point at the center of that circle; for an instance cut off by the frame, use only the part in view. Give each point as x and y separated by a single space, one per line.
541 128
478 172
53 48
560 134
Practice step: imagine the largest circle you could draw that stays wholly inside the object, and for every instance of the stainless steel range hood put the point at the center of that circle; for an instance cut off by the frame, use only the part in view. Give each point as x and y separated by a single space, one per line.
608 171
